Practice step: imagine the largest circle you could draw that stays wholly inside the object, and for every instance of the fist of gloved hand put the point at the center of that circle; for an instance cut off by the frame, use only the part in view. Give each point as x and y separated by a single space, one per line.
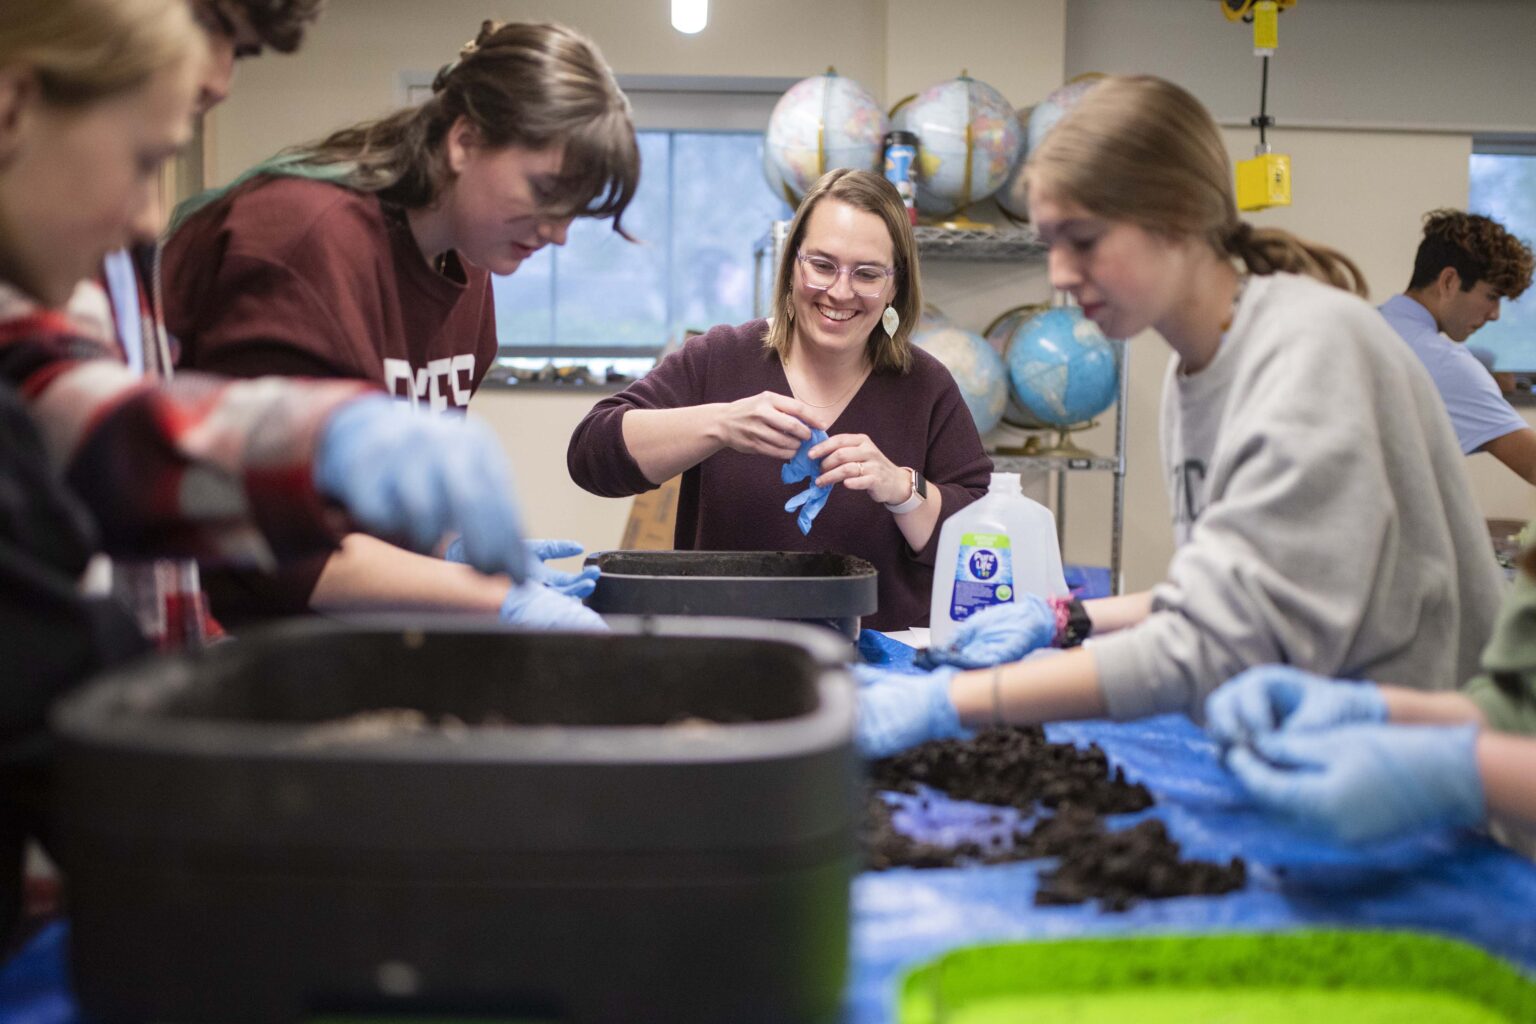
413 477
897 710
1359 783
1003 632
572 584
536 606
1279 698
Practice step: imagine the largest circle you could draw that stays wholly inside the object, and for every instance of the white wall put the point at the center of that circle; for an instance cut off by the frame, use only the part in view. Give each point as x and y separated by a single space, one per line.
1361 62
349 67
1458 65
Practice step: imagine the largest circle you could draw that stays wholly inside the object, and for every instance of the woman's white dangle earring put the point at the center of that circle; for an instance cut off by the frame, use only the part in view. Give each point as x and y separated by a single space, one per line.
890 320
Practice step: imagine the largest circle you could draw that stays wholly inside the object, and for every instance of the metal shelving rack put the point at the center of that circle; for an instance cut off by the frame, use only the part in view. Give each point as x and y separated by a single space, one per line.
1002 245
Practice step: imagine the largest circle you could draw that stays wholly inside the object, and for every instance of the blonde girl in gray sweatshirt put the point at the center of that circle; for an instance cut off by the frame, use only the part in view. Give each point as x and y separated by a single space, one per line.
1321 506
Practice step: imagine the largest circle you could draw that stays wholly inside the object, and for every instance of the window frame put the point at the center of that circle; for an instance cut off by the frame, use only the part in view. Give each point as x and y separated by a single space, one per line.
694 104
1517 144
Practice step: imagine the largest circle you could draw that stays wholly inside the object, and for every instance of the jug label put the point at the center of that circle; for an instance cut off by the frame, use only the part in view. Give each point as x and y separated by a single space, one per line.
983 574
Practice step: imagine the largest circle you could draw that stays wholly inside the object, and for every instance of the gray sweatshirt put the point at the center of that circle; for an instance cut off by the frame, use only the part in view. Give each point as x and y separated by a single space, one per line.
1322 513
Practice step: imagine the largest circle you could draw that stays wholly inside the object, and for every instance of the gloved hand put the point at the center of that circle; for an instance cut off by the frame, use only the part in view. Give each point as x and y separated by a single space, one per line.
803 467
1003 632
413 477
539 607
1359 783
572 584
897 710
1279 698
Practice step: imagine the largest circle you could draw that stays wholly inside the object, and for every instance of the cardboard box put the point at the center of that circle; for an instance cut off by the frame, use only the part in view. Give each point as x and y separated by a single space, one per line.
652 519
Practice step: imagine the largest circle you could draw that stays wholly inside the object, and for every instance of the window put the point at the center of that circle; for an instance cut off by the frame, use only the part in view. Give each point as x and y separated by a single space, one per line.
600 307
1503 186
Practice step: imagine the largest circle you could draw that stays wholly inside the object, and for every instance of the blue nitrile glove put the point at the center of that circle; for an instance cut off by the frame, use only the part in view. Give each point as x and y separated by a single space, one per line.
1359 783
536 606
803 467
1279 698
897 710
572 584
413 476
1003 632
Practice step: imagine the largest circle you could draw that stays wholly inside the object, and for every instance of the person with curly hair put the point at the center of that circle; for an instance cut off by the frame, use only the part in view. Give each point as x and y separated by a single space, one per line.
1466 265
237 29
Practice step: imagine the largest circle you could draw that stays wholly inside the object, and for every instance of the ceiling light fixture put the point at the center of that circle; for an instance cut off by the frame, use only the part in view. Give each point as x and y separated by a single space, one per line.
690 16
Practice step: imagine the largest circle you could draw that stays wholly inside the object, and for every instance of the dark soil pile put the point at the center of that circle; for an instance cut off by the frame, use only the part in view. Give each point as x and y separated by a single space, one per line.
1121 868
1014 768
1020 768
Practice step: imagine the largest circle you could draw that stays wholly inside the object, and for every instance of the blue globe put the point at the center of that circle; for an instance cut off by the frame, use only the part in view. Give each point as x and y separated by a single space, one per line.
975 365
1062 368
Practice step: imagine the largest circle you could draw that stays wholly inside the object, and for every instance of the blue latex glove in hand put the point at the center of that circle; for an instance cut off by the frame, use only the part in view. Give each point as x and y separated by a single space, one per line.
412 476
1003 632
803 467
572 584
1360 783
535 606
1279 698
897 710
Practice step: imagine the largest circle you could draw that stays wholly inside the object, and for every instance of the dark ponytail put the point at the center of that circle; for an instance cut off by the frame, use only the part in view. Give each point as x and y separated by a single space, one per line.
520 84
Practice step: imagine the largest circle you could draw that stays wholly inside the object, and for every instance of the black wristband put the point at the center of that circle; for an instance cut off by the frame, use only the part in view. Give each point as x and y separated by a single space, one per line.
1079 626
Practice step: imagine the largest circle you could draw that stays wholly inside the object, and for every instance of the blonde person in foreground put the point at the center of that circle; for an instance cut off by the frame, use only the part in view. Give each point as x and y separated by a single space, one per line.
1321 510
94 96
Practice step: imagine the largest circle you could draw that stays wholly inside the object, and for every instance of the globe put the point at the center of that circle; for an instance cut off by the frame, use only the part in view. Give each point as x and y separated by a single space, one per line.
1055 106
1000 334
1037 121
969 139
821 123
975 365
1062 368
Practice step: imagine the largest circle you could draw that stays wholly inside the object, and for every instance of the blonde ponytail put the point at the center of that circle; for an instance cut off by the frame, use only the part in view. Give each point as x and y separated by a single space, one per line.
1141 149
1273 250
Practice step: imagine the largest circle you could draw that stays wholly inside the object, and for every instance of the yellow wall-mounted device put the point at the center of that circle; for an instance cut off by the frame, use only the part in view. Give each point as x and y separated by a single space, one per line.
1264 181
1266 28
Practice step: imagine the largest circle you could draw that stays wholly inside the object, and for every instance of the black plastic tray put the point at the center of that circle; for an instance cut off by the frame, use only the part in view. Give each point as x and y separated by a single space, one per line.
791 585
651 825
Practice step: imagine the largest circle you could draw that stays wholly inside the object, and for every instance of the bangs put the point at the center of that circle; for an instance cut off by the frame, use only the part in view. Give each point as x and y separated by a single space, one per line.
604 163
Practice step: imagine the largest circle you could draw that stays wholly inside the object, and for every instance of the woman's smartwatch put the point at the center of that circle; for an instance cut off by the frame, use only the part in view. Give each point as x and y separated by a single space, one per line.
917 497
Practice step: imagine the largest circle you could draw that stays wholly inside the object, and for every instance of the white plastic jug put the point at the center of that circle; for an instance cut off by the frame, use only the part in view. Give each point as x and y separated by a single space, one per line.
989 551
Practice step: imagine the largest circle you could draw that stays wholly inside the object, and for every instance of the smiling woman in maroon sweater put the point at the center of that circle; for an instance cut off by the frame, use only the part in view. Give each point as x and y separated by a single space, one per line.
731 405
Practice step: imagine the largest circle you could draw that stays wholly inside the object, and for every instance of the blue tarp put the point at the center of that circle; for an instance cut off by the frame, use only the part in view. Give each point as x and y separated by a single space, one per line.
1453 883
1457 884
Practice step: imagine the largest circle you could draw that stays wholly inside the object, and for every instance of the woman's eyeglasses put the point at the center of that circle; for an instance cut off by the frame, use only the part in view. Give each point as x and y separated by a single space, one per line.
866 279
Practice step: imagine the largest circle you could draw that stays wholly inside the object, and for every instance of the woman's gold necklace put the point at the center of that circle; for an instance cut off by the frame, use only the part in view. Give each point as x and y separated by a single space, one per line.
839 401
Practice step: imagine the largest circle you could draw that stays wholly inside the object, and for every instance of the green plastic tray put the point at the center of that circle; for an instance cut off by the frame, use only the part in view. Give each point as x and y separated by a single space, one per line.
1314 976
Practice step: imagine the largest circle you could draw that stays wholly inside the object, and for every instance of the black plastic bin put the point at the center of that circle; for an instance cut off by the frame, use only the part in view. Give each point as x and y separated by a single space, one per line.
666 834
825 588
